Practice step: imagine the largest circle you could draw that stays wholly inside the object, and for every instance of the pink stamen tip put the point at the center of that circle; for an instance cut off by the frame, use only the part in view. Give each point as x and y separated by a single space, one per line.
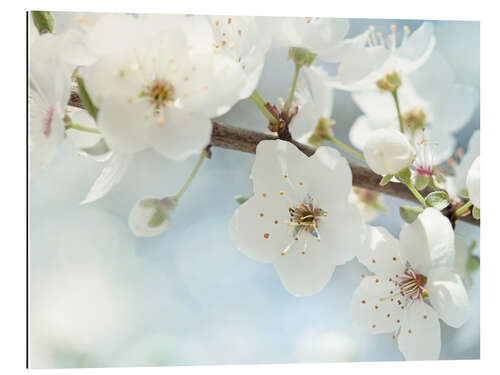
47 121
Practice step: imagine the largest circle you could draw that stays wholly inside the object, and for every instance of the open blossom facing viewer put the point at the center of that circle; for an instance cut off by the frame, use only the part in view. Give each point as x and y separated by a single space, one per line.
299 218
162 94
407 274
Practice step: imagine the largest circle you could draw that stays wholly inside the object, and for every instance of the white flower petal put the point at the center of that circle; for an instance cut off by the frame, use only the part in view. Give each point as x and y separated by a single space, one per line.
342 233
456 108
321 92
474 183
112 174
381 253
428 242
371 307
305 274
141 215
274 160
448 296
420 335
330 178
181 135
304 121
418 46
259 227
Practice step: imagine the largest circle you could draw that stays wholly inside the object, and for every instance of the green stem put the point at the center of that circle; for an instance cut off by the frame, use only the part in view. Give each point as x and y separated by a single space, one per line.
259 102
82 128
294 86
416 193
191 176
346 148
400 118
462 209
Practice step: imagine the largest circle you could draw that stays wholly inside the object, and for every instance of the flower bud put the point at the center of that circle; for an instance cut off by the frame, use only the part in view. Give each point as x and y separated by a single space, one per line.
388 152
151 216
472 183
301 56
390 82
414 120
322 132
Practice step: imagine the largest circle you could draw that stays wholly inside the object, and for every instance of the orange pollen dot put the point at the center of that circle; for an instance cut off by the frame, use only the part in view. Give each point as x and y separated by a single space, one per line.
374 261
275 221
216 22
374 325
239 32
425 316
376 307
301 183
228 21
394 259
409 331
281 192
264 195
223 43
266 235
388 315
363 275
398 321
261 214
377 280
363 301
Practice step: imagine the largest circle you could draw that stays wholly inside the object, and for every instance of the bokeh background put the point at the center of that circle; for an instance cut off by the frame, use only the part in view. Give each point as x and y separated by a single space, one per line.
99 296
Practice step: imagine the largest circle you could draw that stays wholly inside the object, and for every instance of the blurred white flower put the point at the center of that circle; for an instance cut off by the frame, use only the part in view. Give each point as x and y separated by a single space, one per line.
312 105
299 218
369 202
456 185
473 183
388 152
429 99
368 58
406 273
151 216
465 261
161 94
321 36
49 90
245 40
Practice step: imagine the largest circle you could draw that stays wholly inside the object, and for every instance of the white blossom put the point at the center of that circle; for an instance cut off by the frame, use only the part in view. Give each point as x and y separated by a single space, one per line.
369 202
299 218
368 58
429 99
473 183
49 90
162 94
388 152
321 36
413 286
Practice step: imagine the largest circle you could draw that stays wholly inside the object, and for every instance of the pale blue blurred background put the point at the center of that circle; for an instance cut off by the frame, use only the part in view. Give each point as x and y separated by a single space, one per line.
102 297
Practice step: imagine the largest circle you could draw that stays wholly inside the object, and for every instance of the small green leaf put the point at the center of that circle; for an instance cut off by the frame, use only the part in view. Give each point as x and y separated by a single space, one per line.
437 199
473 263
404 175
157 219
464 193
476 213
386 179
85 98
410 213
240 199
43 21
421 182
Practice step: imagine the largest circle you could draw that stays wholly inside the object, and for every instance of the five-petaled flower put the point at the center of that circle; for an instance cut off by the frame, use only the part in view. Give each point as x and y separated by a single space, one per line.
299 218
408 274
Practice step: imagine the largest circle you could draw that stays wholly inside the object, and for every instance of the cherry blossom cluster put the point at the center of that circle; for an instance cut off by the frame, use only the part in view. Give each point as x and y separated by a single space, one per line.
156 82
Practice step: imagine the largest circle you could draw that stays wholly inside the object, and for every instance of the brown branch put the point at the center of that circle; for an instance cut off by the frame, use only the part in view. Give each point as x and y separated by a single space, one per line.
239 139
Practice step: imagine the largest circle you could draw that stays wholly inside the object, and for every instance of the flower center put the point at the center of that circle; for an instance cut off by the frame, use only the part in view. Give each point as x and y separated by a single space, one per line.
411 285
306 217
159 92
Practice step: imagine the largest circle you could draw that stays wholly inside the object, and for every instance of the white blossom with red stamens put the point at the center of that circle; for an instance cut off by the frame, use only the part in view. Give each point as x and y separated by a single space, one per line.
299 218
413 286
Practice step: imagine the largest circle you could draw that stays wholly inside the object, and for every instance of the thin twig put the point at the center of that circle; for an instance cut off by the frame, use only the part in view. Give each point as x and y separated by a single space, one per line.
245 140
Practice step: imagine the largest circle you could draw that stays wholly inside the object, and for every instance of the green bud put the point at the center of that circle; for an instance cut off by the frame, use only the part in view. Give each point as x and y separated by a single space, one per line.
390 82
476 213
43 21
301 56
322 132
410 213
437 199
